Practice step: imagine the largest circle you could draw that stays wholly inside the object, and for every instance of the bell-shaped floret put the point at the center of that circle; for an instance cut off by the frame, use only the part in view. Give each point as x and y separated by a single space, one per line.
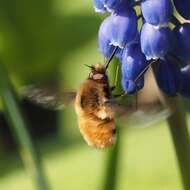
104 39
168 77
155 42
123 27
132 87
111 5
157 12
99 6
182 41
133 63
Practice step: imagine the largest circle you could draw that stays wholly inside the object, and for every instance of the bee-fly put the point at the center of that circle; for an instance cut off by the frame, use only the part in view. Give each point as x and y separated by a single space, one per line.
95 113
95 105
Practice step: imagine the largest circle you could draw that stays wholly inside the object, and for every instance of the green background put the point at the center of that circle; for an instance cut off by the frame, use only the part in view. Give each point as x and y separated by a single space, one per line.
42 40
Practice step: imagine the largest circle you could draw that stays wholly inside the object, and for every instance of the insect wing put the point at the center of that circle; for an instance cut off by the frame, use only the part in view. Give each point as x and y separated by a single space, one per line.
50 98
149 108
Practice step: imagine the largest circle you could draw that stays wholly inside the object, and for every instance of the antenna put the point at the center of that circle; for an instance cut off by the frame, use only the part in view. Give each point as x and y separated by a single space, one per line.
89 66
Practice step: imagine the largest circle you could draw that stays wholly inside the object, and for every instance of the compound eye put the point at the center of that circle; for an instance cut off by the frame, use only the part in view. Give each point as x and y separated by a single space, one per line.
98 76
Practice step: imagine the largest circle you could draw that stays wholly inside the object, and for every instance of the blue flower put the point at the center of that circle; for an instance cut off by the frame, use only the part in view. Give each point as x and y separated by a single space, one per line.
155 42
130 86
123 27
104 39
157 12
99 6
182 41
111 5
168 77
183 7
123 6
133 63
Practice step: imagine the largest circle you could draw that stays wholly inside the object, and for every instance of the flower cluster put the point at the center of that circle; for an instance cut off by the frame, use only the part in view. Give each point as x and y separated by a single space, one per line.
155 34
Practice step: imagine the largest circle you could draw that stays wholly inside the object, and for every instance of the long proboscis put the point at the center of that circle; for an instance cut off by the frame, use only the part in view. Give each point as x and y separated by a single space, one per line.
108 61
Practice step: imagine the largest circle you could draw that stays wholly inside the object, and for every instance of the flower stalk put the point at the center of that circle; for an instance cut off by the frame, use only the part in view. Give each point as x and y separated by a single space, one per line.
19 131
180 136
178 126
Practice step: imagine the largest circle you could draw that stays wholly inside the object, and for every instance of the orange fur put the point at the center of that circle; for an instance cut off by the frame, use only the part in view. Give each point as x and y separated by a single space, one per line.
95 117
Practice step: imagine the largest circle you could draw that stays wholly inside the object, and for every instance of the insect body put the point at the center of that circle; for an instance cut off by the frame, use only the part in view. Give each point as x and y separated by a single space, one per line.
94 112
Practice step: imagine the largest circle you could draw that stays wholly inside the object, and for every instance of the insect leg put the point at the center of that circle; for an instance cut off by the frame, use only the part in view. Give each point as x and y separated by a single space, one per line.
116 75
137 78
144 70
120 95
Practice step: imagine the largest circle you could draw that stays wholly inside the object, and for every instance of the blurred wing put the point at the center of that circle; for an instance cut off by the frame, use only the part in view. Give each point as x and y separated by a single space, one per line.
143 115
149 108
50 98
130 108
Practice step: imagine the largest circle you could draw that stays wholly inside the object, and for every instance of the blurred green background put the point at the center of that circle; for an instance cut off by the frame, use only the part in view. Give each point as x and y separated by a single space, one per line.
42 40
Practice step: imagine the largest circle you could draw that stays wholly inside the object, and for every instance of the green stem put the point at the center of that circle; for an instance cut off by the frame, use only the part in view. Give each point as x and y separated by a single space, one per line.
112 165
180 136
19 130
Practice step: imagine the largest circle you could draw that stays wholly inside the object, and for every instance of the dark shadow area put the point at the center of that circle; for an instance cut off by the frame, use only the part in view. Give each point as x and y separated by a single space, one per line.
43 128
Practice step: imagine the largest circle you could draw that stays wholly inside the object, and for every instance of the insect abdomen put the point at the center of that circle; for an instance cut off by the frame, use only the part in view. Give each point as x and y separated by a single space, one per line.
97 133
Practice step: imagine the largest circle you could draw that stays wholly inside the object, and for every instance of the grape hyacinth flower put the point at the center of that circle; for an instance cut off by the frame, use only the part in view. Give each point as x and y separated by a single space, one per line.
130 86
133 62
111 5
155 42
182 41
157 12
123 6
99 6
123 27
168 77
104 40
